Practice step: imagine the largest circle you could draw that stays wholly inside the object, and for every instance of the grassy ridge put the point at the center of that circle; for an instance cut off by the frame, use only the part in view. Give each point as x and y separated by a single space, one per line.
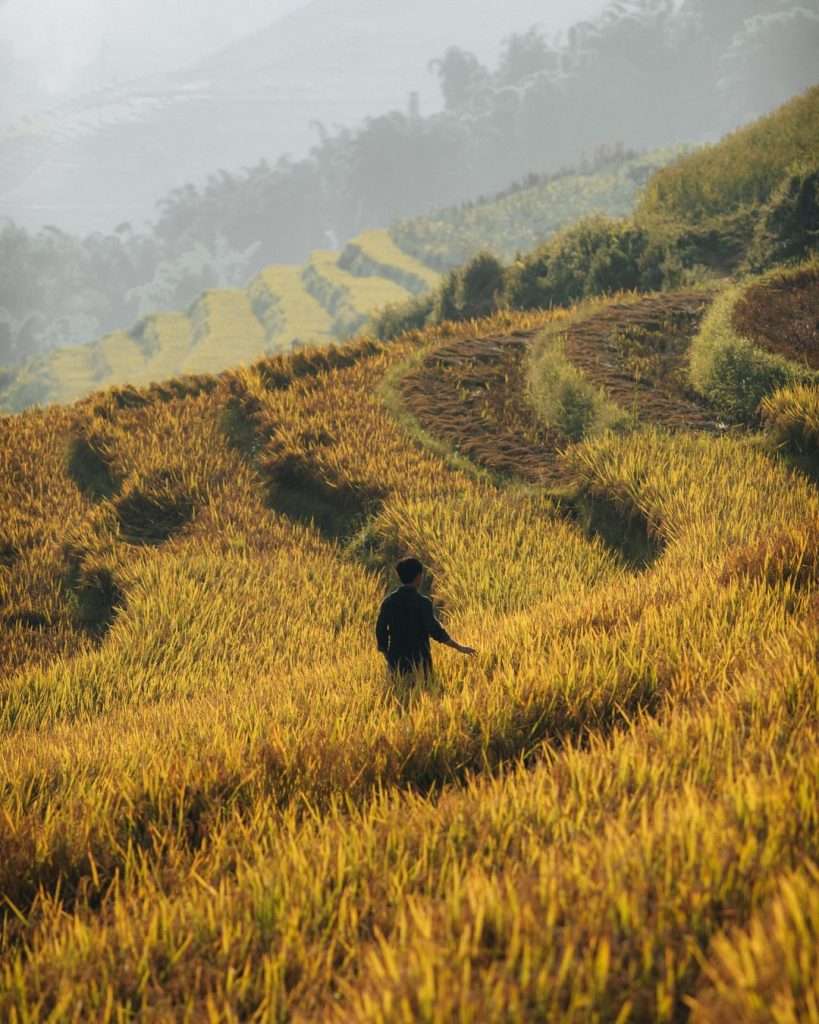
523 219
740 172
757 351
225 812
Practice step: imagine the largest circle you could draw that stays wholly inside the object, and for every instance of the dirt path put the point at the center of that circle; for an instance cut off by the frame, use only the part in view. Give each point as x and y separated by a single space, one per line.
471 394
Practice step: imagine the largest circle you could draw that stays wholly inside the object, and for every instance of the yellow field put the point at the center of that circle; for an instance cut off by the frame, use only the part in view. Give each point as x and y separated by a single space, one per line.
168 338
154 350
363 295
225 327
215 808
379 248
304 318
225 331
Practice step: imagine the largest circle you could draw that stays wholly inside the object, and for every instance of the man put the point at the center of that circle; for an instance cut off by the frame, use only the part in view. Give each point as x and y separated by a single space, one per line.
406 622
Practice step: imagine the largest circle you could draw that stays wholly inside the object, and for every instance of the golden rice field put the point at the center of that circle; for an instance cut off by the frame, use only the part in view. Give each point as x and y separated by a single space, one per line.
214 808
340 291
282 308
378 249
294 315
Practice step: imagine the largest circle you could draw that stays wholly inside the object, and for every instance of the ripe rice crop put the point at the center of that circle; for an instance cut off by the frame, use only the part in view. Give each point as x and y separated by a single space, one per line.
215 807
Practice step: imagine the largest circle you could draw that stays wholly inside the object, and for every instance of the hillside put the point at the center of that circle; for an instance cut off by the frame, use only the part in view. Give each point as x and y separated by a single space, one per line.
718 202
214 804
332 295
523 217
282 308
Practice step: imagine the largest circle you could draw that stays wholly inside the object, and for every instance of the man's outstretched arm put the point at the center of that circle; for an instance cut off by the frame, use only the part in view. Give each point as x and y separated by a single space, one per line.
437 632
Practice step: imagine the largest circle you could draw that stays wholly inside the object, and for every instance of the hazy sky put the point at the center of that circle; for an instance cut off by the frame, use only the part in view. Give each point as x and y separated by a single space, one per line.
61 38
82 44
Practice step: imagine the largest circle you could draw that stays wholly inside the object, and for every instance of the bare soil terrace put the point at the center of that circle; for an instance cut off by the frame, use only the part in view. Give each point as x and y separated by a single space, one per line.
782 316
472 393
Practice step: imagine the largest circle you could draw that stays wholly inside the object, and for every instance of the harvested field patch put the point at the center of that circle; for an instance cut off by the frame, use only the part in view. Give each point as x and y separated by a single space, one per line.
781 315
637 353
470 394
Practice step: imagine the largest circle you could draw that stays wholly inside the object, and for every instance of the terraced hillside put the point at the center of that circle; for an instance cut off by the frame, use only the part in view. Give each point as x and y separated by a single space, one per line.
331 297
282 308
528 214
217 806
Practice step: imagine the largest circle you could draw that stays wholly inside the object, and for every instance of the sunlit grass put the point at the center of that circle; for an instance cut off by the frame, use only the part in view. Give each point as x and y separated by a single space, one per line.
216 809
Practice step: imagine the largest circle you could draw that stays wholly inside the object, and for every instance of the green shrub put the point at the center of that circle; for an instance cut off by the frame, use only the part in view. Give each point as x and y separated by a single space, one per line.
471 291
730 372
597 256
395 319
788 228
564 399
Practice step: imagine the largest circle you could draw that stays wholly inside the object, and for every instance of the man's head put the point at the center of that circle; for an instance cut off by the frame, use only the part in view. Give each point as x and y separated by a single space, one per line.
410 572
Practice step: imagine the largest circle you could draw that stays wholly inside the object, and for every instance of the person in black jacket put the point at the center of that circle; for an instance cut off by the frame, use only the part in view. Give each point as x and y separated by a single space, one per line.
406 622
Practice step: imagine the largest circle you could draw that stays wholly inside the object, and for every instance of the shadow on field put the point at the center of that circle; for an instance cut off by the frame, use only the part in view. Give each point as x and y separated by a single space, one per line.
8 554
148 519
296 490
626 536
90 469
97 597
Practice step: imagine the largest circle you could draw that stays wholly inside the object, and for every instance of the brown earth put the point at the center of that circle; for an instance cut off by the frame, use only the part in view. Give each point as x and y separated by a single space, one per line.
472 393
782 316
637 353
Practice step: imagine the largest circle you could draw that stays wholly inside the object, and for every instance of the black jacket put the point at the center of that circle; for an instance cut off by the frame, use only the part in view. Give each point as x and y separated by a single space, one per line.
405 624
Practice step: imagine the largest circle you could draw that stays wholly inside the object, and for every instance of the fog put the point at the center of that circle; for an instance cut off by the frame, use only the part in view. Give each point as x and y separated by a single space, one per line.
137 98
86 44
66 46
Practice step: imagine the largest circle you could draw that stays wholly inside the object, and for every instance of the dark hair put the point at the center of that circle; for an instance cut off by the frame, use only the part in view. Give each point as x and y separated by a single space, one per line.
409 569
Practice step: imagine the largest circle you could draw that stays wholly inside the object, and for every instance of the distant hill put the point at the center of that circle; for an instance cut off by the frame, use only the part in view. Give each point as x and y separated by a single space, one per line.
522 217
110 156
332 295
284 307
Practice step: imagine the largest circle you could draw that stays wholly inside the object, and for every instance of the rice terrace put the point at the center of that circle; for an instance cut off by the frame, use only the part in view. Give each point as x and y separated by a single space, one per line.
216 802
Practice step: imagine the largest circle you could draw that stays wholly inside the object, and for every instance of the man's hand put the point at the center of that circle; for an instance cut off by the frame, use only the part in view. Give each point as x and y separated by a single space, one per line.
469 651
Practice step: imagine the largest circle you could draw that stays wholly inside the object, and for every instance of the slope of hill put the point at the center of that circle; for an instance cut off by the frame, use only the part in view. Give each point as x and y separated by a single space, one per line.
710 201
214 800
523 218
283 307
333 295
216 803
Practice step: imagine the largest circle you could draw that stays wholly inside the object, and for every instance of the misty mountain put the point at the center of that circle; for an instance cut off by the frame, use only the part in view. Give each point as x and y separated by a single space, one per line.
104 158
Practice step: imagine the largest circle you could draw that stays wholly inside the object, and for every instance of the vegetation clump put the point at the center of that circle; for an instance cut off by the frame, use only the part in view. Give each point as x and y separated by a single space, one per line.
729 370
564 398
